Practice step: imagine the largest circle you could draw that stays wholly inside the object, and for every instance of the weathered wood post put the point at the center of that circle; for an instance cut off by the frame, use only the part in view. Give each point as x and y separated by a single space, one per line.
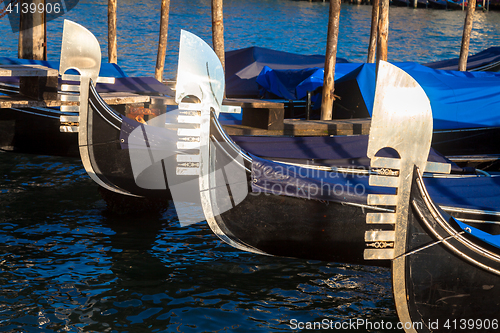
218 30
331 54
32 33
383 31
162 42
372 47
464 50
112 48
33 45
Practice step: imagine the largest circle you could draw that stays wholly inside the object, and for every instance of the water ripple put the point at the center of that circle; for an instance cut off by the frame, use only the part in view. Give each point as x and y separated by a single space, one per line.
67 265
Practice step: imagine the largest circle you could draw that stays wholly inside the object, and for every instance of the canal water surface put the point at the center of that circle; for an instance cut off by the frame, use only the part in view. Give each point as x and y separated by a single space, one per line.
68 265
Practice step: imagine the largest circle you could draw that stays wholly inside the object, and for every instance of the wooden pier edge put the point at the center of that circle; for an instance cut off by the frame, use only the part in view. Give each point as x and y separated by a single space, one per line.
299 127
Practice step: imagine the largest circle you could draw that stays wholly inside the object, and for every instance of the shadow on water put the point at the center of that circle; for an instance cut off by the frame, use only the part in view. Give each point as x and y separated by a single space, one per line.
68 264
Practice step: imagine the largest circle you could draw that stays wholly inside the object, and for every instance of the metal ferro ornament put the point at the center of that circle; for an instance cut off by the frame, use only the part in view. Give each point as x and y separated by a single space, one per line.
80 51
402 120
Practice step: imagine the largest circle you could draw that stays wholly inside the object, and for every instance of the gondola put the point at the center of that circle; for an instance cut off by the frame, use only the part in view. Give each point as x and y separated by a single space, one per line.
445 279
486 60
242 68
445 272
267 207
284 213
158 163
99 127
460 4
438 4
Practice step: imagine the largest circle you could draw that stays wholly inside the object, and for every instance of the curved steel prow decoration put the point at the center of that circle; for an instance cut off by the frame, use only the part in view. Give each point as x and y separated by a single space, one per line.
80 51
199 73
401 120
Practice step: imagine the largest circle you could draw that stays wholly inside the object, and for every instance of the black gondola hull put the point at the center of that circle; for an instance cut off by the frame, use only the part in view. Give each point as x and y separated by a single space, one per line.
111 163
299 228
451 285
35 131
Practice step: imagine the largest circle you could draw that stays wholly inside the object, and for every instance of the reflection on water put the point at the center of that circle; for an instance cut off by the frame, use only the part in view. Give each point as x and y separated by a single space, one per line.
421 35
68 265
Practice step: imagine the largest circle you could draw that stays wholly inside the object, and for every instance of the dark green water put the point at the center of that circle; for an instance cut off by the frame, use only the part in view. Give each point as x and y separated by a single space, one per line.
67 265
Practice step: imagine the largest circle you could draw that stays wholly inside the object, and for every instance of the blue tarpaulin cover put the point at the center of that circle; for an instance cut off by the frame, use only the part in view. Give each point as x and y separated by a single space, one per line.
458 99
123 83
339 151
463 192
244 65
107 70
295 83
484 236
484 58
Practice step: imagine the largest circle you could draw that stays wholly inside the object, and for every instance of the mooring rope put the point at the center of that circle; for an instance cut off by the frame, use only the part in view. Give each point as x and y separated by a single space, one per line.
429 245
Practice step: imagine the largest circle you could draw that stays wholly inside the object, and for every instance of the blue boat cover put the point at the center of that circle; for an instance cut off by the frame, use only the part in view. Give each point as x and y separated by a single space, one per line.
484 236
339 151
458 99
244 65
278 178
295 83
289 180
123 83
107 70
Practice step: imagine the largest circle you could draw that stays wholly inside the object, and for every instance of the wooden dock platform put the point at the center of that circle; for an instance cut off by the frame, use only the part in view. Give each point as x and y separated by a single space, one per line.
300 127
7 102
39 88
266 118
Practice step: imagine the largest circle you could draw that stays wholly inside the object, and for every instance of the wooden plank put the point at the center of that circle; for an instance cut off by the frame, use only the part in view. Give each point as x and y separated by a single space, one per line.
36 82
383 30
27 70
109 98
10 102
253 103
114 98
307 128
265 118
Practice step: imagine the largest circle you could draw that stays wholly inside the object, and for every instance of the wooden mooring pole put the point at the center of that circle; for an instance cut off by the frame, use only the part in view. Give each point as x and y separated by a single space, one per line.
218 30
331 54
112 48
162 42
383 31
33 33
464 50
372 47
